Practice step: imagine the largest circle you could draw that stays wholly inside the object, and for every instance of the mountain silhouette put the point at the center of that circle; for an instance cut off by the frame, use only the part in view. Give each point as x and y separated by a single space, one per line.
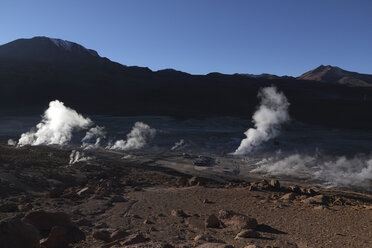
35 71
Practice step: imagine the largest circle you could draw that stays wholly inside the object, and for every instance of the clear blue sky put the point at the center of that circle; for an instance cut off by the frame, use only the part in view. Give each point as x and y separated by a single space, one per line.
278 36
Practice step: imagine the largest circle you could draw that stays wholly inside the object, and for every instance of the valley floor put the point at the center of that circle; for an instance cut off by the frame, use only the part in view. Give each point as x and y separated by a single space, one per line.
111 202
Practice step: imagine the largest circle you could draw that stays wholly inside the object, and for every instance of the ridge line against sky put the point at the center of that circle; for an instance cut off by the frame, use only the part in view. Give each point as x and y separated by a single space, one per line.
285 37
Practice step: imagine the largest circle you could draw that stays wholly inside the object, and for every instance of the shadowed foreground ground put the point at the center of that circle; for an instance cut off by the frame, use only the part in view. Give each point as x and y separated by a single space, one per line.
121 203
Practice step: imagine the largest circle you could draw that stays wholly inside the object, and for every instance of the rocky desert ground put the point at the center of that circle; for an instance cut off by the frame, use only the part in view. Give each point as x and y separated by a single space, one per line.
145 202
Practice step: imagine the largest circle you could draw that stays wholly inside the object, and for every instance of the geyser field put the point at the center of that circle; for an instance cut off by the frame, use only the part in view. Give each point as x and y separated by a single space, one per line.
156 181
275 146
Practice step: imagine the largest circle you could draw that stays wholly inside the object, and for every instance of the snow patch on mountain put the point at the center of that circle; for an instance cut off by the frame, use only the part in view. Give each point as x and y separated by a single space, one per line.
68 46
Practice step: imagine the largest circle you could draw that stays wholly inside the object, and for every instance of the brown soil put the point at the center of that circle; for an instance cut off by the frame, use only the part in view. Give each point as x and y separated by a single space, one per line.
139 195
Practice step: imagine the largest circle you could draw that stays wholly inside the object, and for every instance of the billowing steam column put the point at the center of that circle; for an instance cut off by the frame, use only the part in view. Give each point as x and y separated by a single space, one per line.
56 127
272 112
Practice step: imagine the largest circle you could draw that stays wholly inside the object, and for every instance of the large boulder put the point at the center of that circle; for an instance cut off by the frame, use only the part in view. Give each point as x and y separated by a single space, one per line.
45 221
57 238
318 199
288 197
248 233
17 233
103 235
236 220
212 221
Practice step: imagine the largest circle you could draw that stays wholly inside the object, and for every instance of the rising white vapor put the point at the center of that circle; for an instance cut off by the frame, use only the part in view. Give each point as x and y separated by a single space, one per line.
178 145
12 142
332 172
272 112
93 138
77 156
56 127
140 135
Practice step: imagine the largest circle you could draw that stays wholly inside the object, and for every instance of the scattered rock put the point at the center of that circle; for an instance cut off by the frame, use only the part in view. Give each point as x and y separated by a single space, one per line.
252 246
84 222
25 207
295 189
151 245
215 245
252 188
288 197
179 213
147 222
134 239
196 181
248 233
318 199
24 199
275 184
320 207
17 233
310 191
119 234
236 220
103 235
204 237
212 221
84 191
101 225
264 185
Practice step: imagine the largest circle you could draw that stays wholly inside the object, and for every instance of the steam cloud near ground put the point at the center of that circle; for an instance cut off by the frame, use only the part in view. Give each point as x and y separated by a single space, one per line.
95 134
56 127
77 156
140 135
332 172
60 122
272 112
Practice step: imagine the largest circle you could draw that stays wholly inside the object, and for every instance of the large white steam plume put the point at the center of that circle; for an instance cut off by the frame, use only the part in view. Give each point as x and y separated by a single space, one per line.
56 126
140 135
272 112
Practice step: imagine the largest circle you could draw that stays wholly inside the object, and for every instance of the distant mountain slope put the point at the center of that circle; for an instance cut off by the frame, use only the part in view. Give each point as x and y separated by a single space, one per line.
44 49
334 74
38 70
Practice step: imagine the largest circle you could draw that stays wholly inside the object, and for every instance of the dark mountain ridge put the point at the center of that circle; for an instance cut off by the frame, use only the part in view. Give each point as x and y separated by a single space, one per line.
38 70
